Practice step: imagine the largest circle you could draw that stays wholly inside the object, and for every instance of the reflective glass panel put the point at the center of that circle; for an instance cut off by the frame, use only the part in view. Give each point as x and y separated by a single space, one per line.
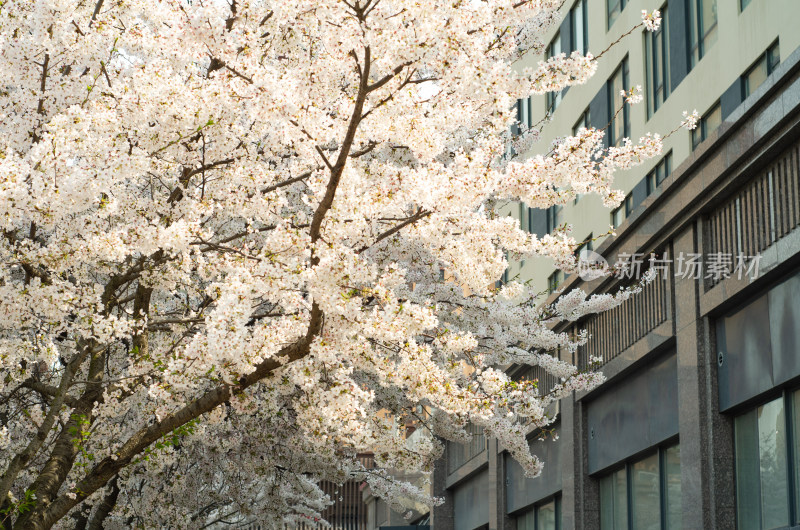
773 465
546 515
614 501
645 494
672 487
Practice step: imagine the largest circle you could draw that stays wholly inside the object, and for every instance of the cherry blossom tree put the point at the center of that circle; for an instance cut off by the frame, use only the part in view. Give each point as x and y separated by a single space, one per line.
223 230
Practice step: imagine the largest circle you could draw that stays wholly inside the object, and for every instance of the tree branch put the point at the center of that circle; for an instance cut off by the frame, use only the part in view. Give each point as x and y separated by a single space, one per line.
22 459
411 220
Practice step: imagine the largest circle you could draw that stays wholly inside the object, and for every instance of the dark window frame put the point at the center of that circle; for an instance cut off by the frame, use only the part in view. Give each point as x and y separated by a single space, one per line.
786 394
697 39
611 8
584 26
660 450
659 173
584 120
701 132
552 217
555 280
613 137
588 244
626 207
553 99
555 499
770 58
656 97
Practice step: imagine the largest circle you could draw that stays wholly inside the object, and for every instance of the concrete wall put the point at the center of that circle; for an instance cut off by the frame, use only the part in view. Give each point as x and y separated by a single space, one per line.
741 38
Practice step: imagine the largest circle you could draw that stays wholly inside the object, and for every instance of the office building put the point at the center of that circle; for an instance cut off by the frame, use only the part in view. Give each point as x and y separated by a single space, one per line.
698 423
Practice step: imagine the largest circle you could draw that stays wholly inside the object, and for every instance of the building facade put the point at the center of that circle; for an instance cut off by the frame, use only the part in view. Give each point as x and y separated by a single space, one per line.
698 423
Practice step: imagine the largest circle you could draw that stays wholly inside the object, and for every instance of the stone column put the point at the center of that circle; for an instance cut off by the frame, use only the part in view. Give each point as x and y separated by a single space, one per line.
706 440
442 517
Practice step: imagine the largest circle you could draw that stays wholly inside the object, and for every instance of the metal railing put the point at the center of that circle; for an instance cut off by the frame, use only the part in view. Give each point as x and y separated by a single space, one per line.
766 209
459 454
615 330
545 380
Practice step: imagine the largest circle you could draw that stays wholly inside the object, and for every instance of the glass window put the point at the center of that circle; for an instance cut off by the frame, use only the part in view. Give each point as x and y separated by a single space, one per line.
546 516
614 501
531 218
743 4
579 23
524 116
796 452
617 216
584 121
708 124
659 173
526 521
773 464
672 487
619 115
763 464
552 99
628 205
614 8
622 212
588 244
702 28
644 495
541 517
524 222
758 73
554 281
657 58
555 217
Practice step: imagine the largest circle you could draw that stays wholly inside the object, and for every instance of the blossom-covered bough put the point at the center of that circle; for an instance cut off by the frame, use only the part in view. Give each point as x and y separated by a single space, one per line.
223 226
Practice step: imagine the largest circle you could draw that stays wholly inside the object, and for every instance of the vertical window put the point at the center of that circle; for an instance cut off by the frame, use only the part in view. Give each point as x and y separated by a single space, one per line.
524 116
646 494
584 121
530 221
671 483
619 114
657 58
743 4
767 473
618 215
554 280
552 99
796 452
614 501
708 124
759 72
579 24
587 245
643 495
541 517
524 217
613 9
659 173
702 22
555 217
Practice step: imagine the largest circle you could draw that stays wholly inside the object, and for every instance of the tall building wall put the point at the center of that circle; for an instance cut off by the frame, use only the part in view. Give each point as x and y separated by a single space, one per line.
698 423
742 36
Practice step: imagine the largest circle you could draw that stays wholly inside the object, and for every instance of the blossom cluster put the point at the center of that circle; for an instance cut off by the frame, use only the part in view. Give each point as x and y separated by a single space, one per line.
245 242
